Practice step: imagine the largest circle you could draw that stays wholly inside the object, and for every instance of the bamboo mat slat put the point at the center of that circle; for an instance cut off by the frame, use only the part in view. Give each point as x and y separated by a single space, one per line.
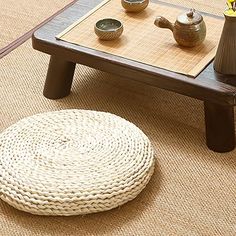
142 41
214 7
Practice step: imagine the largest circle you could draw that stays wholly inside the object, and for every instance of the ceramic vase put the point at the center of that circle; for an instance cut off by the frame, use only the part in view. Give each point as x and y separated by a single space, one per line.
225 59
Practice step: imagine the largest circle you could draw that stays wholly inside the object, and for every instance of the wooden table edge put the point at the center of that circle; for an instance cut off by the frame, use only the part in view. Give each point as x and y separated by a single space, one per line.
161 80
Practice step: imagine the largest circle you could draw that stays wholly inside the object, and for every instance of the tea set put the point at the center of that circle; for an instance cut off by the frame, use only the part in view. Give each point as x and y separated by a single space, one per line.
189 29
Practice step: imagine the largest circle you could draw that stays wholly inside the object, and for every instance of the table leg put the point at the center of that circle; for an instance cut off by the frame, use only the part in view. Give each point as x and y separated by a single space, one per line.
59 78
220 131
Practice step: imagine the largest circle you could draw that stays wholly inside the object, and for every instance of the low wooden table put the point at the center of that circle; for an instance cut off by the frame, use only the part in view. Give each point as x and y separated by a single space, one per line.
217 91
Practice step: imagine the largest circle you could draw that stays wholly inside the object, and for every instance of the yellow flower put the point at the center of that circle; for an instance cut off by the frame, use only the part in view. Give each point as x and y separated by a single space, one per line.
230 3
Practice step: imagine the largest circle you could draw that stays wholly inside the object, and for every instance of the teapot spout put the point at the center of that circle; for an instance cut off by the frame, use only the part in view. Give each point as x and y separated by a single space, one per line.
162 22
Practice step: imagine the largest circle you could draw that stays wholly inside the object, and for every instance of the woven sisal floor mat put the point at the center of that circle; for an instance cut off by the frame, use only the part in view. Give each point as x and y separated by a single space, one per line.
193 189
19 17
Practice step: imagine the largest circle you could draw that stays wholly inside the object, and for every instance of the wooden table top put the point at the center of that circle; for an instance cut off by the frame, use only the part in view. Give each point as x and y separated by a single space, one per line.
207 86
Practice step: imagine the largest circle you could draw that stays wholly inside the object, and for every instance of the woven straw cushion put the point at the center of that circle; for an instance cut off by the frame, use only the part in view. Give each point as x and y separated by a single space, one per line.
73 162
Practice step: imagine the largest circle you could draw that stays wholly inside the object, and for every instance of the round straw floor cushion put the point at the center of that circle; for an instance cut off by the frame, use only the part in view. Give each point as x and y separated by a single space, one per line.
73 162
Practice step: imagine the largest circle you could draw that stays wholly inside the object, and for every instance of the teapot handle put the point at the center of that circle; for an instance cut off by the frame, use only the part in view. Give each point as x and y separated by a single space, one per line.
162 22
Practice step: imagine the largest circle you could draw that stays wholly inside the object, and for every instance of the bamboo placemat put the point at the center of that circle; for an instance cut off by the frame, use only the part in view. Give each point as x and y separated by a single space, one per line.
142 41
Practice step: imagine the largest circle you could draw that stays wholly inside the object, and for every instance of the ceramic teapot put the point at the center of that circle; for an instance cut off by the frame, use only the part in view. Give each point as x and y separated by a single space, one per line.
189 30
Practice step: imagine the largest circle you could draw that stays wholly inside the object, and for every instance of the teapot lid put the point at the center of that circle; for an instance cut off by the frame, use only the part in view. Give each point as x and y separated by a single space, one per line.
190 18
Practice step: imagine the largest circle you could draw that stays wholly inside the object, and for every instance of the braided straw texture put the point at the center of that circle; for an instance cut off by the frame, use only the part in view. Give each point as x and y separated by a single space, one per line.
73 162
